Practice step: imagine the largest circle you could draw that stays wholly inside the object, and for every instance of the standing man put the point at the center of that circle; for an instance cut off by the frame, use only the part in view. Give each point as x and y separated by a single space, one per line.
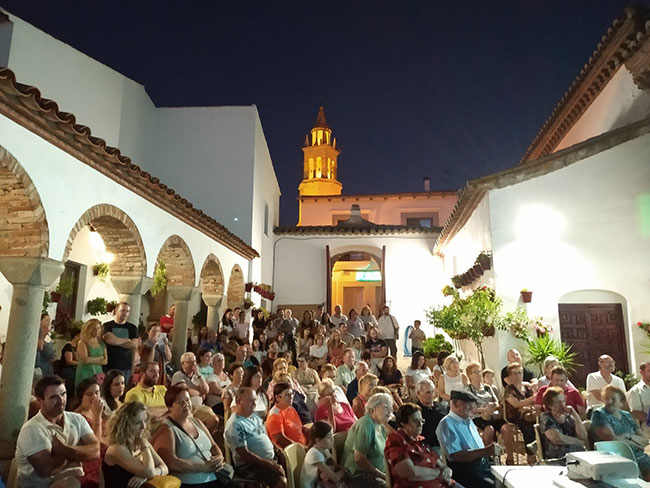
467 456
121 338
252 450
289 326
389 330
417 337
52 443
601 378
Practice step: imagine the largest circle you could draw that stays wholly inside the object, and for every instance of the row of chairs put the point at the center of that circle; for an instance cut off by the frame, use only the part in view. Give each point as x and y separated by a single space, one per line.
294 455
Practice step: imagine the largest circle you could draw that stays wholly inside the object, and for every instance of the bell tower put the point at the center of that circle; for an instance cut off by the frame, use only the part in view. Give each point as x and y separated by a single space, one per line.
320 166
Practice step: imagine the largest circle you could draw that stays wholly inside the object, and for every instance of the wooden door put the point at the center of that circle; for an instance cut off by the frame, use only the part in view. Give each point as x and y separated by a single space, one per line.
593 329
352 297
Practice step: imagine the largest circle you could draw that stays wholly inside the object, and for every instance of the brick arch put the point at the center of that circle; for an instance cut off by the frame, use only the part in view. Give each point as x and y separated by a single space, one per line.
120 235
236 288
24 230
178 261
212 281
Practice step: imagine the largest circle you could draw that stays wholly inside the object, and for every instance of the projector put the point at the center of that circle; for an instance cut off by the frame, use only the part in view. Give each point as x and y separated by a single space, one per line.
597 466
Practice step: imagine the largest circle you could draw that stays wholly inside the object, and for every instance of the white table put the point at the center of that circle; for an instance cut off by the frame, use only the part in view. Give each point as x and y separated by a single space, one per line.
549 477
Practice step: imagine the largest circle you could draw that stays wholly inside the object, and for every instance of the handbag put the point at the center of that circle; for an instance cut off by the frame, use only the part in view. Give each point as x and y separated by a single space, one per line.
396 329
163 482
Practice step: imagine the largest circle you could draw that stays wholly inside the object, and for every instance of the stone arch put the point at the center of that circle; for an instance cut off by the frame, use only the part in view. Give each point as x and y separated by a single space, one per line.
24 231
120 235
178 261
236 287
212 281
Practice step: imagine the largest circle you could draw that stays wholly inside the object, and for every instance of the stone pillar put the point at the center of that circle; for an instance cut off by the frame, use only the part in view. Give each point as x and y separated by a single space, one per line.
181 296
221 308
213 302
30 278
131 289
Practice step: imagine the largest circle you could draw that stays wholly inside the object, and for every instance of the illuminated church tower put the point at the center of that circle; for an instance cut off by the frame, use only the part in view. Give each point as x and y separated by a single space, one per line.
320 166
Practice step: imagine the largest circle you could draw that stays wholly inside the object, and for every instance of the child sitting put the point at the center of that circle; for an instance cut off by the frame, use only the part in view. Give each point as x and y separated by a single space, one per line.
318 468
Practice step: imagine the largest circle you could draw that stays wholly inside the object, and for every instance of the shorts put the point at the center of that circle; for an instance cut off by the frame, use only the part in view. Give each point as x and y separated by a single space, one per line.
258 473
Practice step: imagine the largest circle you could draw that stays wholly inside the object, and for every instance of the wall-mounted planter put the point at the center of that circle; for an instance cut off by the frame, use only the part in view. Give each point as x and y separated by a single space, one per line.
527 296
478 270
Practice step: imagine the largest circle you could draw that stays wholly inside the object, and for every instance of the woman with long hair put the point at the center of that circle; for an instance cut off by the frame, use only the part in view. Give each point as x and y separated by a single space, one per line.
91 351
227 321
185 444
90 407
113 389
307 323
305 341
389 375
416 372
44 349
335 348
130 459
259 323
253 379
367 318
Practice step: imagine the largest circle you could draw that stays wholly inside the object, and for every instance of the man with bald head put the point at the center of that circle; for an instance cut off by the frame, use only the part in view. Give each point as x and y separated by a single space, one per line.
515 357
638 398
601 378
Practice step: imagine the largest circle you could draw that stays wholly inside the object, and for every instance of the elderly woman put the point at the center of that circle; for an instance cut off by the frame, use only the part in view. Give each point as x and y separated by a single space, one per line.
363 453
283 423
520 398
611 423
339 415
130 460
186 446
547 366
366 384
409 460
486 413
218 381
560 425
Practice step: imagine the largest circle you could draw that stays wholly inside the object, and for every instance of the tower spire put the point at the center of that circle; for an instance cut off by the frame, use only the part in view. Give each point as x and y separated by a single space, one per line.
320 165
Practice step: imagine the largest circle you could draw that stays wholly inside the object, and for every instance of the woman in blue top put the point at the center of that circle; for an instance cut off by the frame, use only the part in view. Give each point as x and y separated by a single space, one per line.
610 423
187 447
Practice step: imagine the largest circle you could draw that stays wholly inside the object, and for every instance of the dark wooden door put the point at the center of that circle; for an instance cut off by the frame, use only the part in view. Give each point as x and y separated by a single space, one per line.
593 329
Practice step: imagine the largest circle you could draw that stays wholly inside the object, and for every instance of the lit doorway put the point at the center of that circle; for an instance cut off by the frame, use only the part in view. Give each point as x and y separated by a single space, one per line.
356 280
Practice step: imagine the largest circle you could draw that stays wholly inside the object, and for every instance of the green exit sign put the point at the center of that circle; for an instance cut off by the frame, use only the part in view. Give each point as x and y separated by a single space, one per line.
368 275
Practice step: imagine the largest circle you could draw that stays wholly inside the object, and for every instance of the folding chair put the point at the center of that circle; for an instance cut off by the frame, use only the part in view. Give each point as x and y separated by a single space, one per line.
295 456
541 455
339 444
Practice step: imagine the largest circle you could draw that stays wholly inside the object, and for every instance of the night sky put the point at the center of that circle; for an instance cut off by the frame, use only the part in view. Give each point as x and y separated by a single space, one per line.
453 91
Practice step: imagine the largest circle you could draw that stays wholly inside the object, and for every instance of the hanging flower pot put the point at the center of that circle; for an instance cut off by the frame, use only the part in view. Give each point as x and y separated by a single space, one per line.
55 296
248 287
489 331
478 270
457 281
472 274
485 260
526 296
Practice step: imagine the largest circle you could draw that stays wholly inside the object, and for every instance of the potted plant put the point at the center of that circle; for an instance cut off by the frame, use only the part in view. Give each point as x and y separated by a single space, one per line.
249 286
485 260
539 348
96 306
159 279
434 347
526 296
248 303
101 270
111 306
457 281
478 270
449 291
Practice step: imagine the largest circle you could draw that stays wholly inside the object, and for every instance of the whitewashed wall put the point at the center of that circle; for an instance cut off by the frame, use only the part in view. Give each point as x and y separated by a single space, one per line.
620 103
412 272
67 192
265 191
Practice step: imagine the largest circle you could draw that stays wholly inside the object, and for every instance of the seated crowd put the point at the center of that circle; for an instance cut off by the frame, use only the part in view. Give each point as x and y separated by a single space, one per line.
226 416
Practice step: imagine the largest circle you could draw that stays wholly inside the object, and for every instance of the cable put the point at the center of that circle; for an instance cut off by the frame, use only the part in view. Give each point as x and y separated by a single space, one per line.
503 481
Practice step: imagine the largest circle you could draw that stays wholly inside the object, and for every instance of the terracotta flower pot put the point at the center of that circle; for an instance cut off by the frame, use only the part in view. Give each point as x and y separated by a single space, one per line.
55 296
248 287
478 270
527 296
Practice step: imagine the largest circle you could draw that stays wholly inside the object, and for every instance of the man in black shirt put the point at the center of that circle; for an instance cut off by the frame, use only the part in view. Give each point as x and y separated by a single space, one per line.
121 338
515 357
432 413
378 349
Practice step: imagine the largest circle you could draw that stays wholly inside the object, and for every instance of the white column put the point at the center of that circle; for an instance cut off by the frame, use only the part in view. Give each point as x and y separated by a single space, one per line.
213 302
181 296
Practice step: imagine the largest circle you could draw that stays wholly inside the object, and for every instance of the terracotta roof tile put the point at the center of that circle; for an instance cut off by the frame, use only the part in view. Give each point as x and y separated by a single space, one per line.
24 104
618 46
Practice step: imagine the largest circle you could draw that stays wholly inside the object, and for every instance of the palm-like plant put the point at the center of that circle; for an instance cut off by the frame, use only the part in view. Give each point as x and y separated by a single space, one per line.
544 346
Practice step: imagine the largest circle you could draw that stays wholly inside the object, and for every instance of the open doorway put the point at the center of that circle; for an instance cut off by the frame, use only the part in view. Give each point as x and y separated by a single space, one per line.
356 281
